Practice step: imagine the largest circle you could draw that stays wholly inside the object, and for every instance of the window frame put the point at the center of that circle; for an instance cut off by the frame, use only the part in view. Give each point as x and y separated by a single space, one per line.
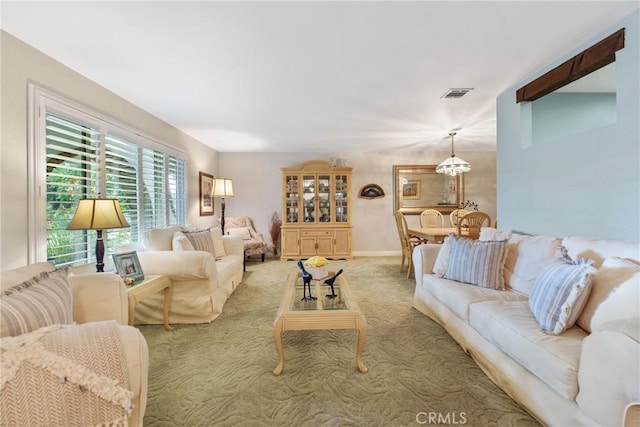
42 101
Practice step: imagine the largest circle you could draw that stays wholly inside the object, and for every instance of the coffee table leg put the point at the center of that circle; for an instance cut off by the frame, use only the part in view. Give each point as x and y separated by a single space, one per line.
277 338
165 308
362 336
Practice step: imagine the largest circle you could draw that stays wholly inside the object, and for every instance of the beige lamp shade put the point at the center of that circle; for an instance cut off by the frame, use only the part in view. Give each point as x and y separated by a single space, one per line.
98 214
222 187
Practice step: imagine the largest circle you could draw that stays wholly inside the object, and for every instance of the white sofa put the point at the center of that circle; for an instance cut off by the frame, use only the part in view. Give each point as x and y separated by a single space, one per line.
575 378
96 298
201 283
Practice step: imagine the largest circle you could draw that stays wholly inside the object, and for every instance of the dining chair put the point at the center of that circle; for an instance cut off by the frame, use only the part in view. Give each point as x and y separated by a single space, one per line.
431 218
455 216
407 242
471 224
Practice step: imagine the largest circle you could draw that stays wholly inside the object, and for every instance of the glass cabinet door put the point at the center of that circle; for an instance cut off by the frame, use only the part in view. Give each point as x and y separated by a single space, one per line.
292 201
324 198
341 196
309 198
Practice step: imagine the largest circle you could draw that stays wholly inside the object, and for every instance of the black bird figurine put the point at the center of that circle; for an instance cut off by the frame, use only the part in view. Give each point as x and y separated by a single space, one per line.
330 281
306 282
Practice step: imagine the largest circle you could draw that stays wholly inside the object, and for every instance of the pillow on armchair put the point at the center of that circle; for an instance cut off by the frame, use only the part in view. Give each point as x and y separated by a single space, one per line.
244 232
43 300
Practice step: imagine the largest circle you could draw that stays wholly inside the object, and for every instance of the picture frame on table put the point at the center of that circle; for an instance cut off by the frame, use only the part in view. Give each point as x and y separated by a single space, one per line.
128 266
206 200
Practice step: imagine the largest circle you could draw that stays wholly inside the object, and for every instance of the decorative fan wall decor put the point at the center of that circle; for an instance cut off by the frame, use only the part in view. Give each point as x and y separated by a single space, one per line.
371 191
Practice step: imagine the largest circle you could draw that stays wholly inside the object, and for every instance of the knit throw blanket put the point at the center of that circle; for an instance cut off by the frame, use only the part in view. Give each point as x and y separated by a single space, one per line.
65 375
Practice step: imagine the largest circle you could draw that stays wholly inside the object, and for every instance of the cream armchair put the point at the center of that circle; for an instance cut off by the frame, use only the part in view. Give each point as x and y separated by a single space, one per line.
98 310
254 243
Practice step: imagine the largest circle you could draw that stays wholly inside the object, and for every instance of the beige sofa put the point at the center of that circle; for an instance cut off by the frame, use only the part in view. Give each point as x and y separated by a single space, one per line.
98 304
575 378
201 282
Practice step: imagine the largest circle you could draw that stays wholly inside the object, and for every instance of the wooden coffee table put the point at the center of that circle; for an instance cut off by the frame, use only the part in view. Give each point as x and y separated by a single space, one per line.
340 312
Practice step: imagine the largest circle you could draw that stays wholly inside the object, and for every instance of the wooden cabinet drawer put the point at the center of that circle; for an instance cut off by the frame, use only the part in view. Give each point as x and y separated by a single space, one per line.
316 233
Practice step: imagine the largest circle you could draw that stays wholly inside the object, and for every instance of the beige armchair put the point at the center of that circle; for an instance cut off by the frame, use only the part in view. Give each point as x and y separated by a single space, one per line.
254 243
70 320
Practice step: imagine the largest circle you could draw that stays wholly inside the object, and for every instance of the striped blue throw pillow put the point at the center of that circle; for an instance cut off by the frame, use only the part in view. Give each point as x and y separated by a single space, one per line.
477 262
560 292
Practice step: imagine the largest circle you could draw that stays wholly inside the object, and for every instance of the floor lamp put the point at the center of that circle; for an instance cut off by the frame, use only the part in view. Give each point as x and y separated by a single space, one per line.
98 214
222 187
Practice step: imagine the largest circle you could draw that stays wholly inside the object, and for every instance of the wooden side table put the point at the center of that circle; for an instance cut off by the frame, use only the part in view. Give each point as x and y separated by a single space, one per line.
149 286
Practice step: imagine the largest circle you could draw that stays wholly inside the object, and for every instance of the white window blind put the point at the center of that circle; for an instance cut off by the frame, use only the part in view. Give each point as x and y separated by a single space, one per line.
88 157
72 174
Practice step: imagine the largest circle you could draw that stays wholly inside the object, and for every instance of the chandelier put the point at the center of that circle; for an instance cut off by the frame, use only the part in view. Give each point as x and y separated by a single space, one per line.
453 165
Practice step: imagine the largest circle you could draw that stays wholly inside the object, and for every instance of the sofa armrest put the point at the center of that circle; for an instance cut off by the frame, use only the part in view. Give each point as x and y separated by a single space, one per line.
609 373
424 257
99 296
233 245
179 265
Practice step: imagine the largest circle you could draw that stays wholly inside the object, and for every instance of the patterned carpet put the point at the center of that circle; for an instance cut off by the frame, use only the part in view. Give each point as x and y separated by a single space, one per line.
220 373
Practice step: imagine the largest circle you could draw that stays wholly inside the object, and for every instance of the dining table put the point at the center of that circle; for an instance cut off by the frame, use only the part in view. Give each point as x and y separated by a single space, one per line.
432 234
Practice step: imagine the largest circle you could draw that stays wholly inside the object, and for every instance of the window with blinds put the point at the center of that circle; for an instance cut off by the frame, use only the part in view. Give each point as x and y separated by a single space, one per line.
87 162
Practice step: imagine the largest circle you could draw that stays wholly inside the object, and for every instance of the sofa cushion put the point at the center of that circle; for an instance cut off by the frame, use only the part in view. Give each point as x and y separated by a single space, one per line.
201 241
477 262
459 296
526 256
218 243
598 250
43 300
440 265
560 293
181 242
243 232
160 239
511 327
615 294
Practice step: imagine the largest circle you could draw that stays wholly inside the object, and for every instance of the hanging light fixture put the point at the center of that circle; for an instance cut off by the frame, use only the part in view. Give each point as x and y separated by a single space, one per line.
453 165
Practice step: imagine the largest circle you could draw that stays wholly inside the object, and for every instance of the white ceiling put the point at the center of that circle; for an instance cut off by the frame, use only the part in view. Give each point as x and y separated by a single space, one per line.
303 76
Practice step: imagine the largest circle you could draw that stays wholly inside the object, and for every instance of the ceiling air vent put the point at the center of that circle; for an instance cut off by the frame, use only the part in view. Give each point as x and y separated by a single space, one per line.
456 93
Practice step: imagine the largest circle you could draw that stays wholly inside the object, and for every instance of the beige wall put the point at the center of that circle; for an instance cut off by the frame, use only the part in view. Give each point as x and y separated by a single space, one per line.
21 64
257 185
256 176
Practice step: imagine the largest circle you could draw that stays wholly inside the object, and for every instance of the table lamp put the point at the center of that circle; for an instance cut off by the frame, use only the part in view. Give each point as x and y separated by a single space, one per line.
98 214
222 187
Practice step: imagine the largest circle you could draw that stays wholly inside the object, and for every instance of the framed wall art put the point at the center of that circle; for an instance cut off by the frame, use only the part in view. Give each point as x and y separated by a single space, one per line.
206 200
411 190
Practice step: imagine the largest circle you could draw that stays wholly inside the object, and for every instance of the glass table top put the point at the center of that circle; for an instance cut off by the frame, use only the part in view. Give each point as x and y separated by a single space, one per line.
321 293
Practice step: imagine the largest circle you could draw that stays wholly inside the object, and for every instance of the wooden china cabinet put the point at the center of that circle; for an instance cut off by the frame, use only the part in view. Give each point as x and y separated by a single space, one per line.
316 211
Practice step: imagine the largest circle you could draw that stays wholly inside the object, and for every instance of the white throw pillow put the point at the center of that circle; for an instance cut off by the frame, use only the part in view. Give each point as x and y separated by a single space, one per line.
181 242
159 239
243 232
218 243
560 292
442 260
526 256
615 294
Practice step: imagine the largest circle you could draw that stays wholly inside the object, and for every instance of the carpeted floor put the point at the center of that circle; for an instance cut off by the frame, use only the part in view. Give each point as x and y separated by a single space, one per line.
220 373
